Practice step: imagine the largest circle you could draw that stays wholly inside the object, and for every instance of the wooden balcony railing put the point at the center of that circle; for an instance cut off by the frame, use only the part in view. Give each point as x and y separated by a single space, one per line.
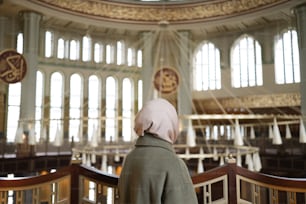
228 184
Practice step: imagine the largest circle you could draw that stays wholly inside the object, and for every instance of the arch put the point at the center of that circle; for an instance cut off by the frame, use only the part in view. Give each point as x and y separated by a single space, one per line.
246 62
207 69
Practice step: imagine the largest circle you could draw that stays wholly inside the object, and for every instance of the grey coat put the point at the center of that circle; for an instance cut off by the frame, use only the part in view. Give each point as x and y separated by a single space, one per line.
153 174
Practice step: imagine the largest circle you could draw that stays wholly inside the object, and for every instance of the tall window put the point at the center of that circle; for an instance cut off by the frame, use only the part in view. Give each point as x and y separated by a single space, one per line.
207 72
98 53
110 50
48 44
246 63
56 104
111 108
287 63
120 53
14 96
61 48
139 58
39 99
14 99
75 106
131 57
127 109
94 107
86 49
74 50
19 46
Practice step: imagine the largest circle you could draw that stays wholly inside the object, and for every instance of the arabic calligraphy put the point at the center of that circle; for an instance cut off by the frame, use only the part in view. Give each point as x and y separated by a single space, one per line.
166 80
12 66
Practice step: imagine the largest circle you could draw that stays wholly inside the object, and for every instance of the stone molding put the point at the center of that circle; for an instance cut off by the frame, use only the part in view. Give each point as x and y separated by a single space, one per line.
153 13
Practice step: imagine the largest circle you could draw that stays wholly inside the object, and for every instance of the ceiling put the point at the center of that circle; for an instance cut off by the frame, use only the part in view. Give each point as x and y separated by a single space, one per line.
129 17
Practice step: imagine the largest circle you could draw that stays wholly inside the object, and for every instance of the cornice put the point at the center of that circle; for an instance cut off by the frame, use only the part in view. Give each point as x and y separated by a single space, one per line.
154 13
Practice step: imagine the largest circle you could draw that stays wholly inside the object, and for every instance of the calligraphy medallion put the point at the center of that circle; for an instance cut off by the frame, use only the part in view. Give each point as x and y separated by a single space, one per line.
13 66
166 80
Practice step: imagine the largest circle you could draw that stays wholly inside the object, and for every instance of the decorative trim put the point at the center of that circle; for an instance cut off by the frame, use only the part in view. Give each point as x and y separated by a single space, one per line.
174 13
257 101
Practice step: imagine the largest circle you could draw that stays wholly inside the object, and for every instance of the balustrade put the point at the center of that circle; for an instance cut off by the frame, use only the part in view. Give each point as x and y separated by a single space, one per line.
228 184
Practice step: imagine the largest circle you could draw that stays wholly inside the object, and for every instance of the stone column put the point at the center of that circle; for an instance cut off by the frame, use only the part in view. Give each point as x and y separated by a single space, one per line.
28 84
147 68
185 70
300 13
3 86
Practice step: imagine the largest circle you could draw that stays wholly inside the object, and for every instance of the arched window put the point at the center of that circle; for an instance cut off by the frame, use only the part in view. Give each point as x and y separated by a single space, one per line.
74 50
75 106
98 55
14 97
207 72
61 48
94 107
56 104
111 109
39 103
19 46
86 52
246 63
139 58
127 109
287 62
49 44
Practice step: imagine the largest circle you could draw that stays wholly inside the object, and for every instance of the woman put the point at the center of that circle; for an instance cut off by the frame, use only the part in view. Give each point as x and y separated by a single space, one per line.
152 173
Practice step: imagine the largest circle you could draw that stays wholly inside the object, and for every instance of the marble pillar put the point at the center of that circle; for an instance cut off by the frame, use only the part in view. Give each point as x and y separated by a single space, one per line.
30 52
300 13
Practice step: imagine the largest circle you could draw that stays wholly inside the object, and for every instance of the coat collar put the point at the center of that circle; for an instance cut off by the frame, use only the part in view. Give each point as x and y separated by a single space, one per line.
153 141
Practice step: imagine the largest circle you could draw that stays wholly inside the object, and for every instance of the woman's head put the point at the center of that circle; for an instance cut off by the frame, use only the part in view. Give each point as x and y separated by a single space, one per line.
158 117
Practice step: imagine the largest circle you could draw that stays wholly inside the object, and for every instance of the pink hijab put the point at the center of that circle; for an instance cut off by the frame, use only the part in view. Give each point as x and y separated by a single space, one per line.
158 117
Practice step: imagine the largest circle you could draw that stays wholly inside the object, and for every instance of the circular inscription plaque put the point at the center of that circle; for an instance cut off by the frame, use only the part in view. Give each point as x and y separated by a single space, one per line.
13 66
166 80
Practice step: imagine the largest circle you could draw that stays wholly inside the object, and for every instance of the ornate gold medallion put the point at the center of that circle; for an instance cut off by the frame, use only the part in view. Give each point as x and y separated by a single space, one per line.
166 80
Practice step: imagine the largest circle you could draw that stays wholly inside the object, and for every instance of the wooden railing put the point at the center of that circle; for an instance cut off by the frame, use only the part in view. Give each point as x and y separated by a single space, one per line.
228 184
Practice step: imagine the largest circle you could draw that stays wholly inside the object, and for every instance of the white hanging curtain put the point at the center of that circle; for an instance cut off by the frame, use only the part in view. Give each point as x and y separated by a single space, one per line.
288 132
200 166
302 132
238 137
257 162
58 139
94 137
277 139
249 162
